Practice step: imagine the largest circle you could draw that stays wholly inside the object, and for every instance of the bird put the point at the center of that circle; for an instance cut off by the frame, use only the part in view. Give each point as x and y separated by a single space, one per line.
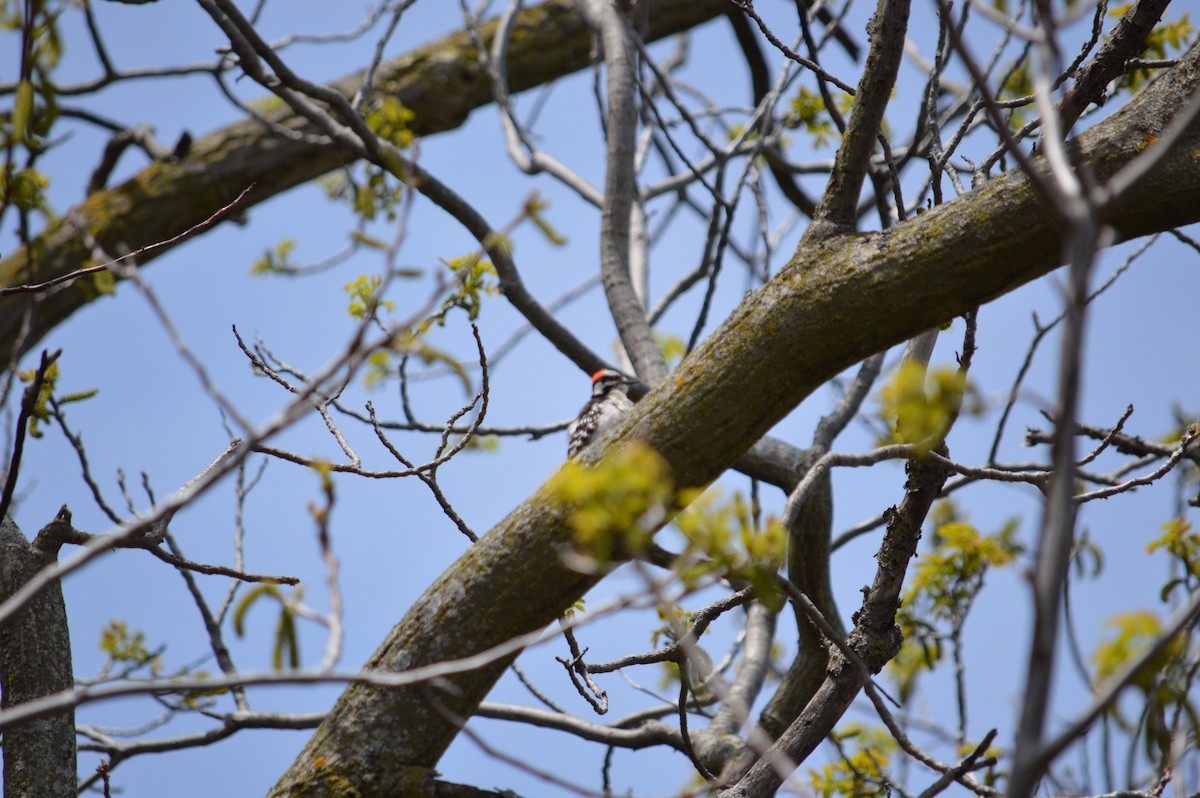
605 407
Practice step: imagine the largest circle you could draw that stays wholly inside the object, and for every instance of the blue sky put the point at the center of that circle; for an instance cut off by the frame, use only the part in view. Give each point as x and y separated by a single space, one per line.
152 415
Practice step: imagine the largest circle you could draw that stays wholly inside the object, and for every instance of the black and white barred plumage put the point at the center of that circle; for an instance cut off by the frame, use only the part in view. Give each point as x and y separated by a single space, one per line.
608 403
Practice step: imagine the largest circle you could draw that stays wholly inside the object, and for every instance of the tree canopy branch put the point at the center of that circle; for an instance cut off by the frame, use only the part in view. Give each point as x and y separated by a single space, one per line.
830 307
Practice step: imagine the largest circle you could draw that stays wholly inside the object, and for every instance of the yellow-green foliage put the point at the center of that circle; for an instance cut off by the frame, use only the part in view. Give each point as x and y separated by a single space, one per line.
862 771
22 112
1133 632
392 122
677 622
286 641
807 110
1166 38
25 188
671 346
275 261
379 193
945 583
580 606
96 284
919 405
948 578
1161 680
617 504
34 108
40 413
1183 545
1018 82
474 279
127 648
364 296
724 539
533 211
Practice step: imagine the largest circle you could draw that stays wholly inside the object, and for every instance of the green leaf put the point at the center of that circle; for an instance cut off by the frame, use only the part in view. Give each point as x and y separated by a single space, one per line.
22 110
615 505
533 210
359 237
1183 545
79 396
275 261
247 601
286 642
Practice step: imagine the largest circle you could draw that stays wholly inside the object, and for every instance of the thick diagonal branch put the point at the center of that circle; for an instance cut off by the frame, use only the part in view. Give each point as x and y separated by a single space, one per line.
442 83
831 307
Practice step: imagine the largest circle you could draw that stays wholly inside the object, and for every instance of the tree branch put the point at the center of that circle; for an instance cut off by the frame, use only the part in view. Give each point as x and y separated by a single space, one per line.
549 40
838 207
829 308
621 128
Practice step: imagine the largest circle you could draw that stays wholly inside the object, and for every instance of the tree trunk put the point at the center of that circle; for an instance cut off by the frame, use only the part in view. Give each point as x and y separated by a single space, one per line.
35 660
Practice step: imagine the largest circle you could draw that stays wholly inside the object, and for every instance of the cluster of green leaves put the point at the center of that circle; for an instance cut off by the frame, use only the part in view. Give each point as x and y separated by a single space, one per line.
806 110
1182 543
945 583
127 648
474 278
96 284
471 283
616 505
364 297
919 405
862 770
676 624
285 645
40 413
34 108
24 188
392 121
1167 39
534 210
127 654
276 261
1018 82
1163 680
1133 633
377 195
672 347
724 538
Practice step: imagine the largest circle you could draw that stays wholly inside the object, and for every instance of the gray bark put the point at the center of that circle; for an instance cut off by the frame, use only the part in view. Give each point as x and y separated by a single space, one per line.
35 660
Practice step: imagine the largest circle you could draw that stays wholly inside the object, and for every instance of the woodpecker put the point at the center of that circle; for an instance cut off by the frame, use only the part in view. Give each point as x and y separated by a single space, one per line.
608 403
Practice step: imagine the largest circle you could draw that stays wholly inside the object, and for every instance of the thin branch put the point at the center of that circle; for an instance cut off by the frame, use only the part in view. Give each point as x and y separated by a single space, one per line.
191 231
836 210
29 402
619 191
